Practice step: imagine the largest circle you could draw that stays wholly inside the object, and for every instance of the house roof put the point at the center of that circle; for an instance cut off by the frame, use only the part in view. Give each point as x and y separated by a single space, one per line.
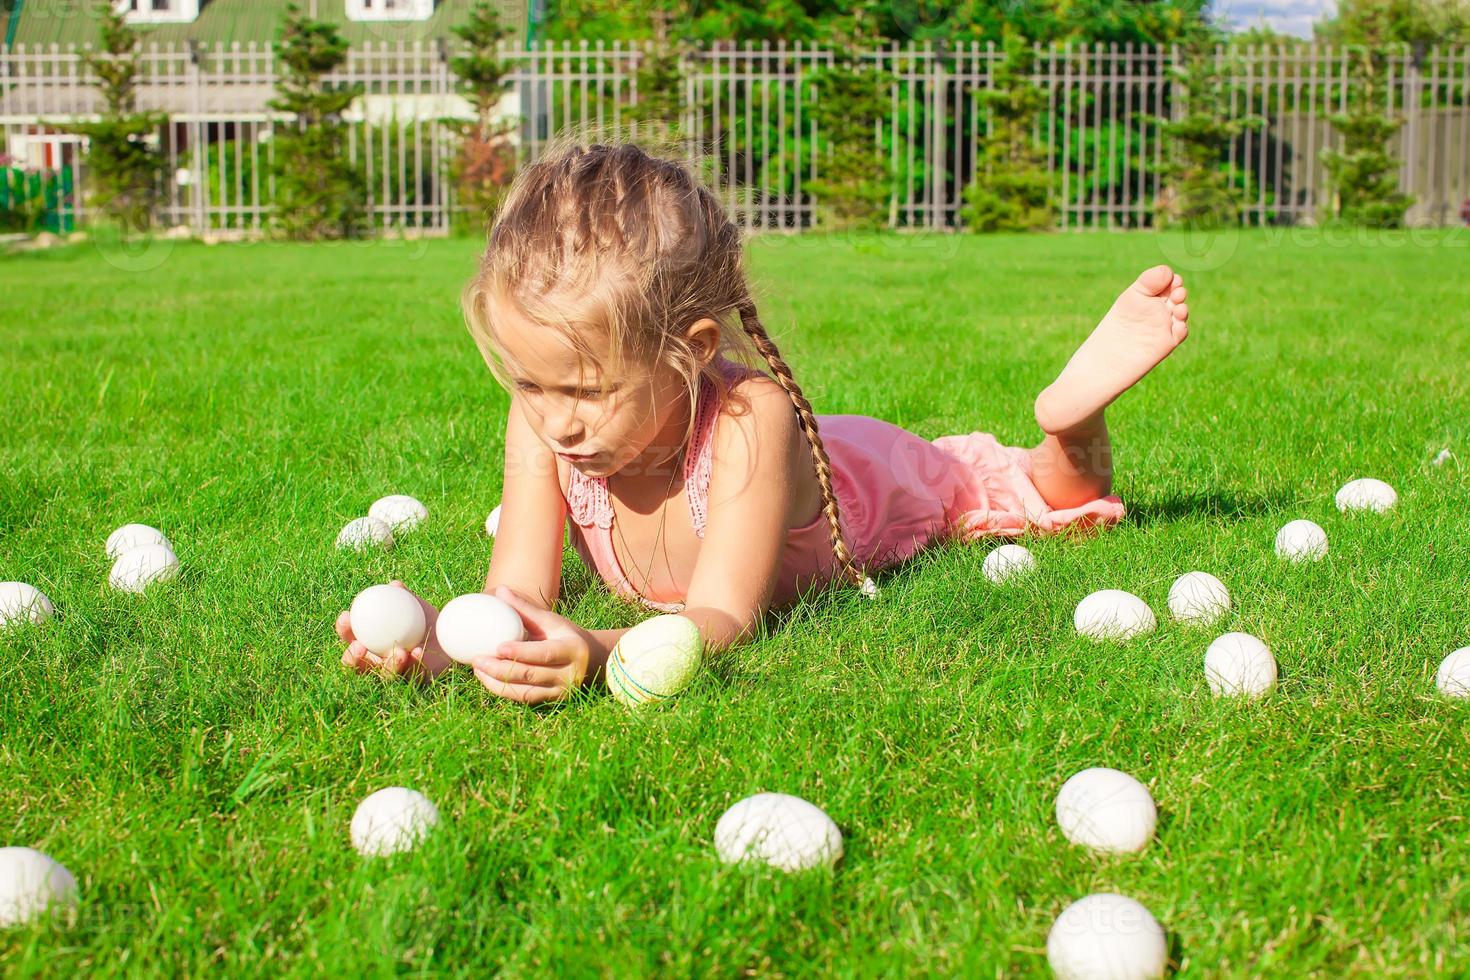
67 22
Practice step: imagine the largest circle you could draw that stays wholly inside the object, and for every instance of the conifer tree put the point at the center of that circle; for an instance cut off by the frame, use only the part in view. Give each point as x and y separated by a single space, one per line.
320 194
1012 190
485 161
124 162
1199 193
1363 175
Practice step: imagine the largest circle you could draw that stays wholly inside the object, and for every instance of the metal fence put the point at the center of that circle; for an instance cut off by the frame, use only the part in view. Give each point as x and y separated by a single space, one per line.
748 112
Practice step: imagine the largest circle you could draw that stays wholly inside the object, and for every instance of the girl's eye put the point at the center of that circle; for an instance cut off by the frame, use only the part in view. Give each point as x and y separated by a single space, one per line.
526 386
597 394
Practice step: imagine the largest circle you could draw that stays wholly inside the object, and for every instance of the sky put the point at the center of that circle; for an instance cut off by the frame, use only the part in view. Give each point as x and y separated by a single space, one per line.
1293 17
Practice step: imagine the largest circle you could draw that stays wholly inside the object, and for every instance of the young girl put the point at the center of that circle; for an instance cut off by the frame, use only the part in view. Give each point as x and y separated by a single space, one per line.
612 301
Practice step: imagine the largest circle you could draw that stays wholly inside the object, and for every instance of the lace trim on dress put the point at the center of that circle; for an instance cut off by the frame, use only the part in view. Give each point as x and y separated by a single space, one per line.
588 502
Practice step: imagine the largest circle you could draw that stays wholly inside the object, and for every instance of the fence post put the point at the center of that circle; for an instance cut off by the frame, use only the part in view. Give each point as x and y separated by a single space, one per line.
198 145
1412 81
938 106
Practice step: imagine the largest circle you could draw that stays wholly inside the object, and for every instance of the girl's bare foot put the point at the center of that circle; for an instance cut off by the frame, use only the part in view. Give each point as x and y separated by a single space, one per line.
1144 326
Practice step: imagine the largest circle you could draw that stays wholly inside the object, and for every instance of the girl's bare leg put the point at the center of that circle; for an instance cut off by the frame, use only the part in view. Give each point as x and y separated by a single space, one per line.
1074 464
1072 467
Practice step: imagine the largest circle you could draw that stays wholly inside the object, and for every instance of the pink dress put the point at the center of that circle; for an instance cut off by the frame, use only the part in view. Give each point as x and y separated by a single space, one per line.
896 491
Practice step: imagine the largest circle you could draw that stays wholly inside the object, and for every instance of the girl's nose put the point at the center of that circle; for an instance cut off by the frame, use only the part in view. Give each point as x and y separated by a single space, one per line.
564 427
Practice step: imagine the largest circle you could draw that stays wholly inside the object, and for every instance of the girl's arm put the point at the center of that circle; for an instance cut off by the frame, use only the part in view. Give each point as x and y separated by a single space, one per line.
757 456
753 479
528 545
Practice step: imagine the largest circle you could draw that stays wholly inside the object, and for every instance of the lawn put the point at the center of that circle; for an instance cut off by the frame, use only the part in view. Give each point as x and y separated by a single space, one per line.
194 755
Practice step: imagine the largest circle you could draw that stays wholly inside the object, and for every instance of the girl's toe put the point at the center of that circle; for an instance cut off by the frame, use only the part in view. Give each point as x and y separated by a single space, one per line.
1179 295
1155 281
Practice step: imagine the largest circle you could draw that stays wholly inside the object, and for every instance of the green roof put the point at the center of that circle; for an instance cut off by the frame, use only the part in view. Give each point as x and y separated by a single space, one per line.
46 22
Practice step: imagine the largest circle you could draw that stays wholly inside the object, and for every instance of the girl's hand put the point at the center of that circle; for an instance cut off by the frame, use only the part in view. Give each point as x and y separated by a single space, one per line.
422 662
547 665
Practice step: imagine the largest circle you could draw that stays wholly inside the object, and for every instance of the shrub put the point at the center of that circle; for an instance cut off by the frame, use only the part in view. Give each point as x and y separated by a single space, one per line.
853 183
1012 190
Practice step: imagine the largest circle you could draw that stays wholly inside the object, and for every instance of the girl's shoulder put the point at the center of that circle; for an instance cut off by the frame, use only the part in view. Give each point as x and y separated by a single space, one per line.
756 407
743 384
752 400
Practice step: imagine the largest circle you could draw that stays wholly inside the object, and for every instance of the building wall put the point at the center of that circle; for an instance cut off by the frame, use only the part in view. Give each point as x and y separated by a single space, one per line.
67 22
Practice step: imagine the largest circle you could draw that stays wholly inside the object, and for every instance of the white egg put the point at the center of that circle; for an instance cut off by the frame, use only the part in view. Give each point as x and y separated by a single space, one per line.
1007 561
474 625
399 511
783 831
1106 810
1301 541
364 532
1198 597
31 883
1106 937
654 660
1444 457
385 616
22 603
140 567
131 536
392 820
1238 663
492 522
1374 495
1111 614
1453 677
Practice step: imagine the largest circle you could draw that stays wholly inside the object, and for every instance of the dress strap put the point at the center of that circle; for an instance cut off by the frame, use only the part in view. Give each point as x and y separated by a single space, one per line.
700 460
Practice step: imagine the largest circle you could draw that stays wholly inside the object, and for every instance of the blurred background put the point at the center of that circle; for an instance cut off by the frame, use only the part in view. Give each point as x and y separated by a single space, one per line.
347 118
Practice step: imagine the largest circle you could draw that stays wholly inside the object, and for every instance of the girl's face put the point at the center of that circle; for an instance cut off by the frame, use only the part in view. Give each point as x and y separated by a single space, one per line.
597 423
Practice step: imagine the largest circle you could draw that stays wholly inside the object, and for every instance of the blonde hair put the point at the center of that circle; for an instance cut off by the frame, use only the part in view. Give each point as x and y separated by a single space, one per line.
605 236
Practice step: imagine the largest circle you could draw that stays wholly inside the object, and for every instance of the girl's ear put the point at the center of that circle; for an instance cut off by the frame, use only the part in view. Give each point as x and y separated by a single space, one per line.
704 339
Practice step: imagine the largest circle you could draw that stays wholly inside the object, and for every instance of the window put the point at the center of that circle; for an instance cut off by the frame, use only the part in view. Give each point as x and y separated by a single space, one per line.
390 9
158 11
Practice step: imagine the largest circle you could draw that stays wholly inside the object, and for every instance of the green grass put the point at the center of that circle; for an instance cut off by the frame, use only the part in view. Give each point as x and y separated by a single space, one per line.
194 755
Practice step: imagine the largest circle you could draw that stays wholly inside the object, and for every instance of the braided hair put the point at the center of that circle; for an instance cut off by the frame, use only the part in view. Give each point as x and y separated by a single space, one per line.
609 236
